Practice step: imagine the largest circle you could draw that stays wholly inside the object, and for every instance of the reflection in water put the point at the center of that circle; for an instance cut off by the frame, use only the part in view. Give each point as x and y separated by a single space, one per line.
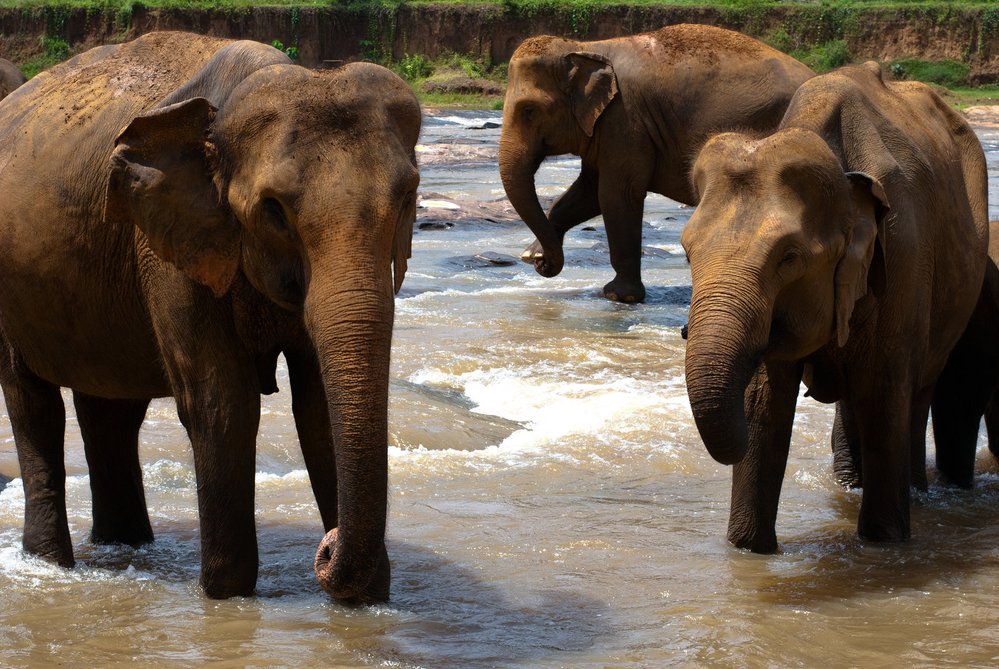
551 504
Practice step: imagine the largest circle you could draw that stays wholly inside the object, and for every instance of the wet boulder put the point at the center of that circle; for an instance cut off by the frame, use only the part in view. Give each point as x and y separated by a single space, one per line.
484 260
437 212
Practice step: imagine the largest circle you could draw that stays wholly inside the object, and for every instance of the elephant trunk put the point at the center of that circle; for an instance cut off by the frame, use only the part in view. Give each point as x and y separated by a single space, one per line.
350 321
518 164
725 341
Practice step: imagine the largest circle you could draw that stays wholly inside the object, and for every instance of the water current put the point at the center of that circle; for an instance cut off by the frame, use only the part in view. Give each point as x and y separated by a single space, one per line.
551 503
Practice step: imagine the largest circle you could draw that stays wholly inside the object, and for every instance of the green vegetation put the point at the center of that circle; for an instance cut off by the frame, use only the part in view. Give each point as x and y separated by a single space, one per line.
54 50
817 32
528 6
949 73
824 57
430 79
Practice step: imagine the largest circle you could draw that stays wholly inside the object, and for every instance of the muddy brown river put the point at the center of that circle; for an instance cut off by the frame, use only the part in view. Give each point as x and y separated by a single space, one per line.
551 504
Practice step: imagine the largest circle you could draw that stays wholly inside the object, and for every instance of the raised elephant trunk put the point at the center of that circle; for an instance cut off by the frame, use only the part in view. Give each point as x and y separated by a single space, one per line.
726 337
350 320
517 168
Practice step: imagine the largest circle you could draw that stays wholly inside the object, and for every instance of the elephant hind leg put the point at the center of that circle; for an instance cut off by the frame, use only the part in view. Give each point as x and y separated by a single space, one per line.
111 441
38 420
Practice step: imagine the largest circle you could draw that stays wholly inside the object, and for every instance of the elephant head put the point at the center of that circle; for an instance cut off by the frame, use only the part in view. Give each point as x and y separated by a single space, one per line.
781 247
554 98
305 183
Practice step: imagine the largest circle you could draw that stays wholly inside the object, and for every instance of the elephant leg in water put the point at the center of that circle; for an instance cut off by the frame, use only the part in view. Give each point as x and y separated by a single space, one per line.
38 420
110 431
622 207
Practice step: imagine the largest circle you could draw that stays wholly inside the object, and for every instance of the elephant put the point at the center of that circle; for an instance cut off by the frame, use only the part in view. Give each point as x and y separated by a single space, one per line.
10 77
635 110
837 252
967 388
184 210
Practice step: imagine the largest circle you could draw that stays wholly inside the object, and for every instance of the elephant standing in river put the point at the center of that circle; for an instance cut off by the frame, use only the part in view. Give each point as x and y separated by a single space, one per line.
178 211
968 388
837 251
636 110
11 77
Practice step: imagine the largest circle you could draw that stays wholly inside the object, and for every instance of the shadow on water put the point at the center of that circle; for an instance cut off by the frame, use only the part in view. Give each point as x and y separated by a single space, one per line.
954 536
447 615
441 613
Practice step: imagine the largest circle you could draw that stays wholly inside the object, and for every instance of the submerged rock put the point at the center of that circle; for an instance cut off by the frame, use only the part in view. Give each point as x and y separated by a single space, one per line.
4 480
437 212
483 260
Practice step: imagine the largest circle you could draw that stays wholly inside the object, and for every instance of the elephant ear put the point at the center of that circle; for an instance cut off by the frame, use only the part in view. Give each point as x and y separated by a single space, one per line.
162 180
862 267
402 243
592 85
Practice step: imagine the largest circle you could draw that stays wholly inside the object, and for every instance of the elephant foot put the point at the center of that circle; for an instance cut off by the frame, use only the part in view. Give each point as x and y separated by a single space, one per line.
225 578
625 290
57 551
882 531
764 543
532 252
545 264
347 579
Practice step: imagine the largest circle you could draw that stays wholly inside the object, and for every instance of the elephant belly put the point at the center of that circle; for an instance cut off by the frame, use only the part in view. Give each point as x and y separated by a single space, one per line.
71 333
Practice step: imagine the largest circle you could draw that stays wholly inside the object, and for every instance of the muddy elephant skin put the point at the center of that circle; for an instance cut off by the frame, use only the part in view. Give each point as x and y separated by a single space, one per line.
837 251
636 110
184 209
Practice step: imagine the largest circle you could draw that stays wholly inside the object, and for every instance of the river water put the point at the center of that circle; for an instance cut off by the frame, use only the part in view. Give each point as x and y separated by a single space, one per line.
551 504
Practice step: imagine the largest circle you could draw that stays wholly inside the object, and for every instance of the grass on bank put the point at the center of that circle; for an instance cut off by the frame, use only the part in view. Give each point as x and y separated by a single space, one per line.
125 5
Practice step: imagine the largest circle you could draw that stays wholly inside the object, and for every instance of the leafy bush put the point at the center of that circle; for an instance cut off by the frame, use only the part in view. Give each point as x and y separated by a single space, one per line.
291 51
413 68
825 57
949 73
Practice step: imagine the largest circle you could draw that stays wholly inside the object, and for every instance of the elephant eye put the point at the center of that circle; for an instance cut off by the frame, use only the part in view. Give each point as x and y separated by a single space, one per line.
528 112
273 213
789 259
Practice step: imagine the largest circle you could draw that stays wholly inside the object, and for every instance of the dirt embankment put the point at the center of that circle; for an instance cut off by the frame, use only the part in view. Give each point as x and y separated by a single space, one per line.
492 32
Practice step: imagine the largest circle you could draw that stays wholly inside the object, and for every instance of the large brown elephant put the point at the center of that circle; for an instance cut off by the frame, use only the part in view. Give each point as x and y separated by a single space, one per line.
837 251
11 77
178 211
636 110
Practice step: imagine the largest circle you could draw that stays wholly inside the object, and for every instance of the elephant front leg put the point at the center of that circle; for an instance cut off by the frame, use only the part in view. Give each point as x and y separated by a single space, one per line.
222 423
110 431
886 449
312 421
577 205
38 420
756 480
622 207
216 386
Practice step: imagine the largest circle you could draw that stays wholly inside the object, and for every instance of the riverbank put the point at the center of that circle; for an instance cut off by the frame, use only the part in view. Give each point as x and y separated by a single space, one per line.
966 33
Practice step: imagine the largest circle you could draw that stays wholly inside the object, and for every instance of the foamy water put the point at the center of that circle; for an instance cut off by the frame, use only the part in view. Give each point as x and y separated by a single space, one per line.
551 504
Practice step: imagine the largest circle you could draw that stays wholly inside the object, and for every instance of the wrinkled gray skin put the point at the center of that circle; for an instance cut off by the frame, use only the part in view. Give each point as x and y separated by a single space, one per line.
636 110
185 209
10 77
968 388
838 252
